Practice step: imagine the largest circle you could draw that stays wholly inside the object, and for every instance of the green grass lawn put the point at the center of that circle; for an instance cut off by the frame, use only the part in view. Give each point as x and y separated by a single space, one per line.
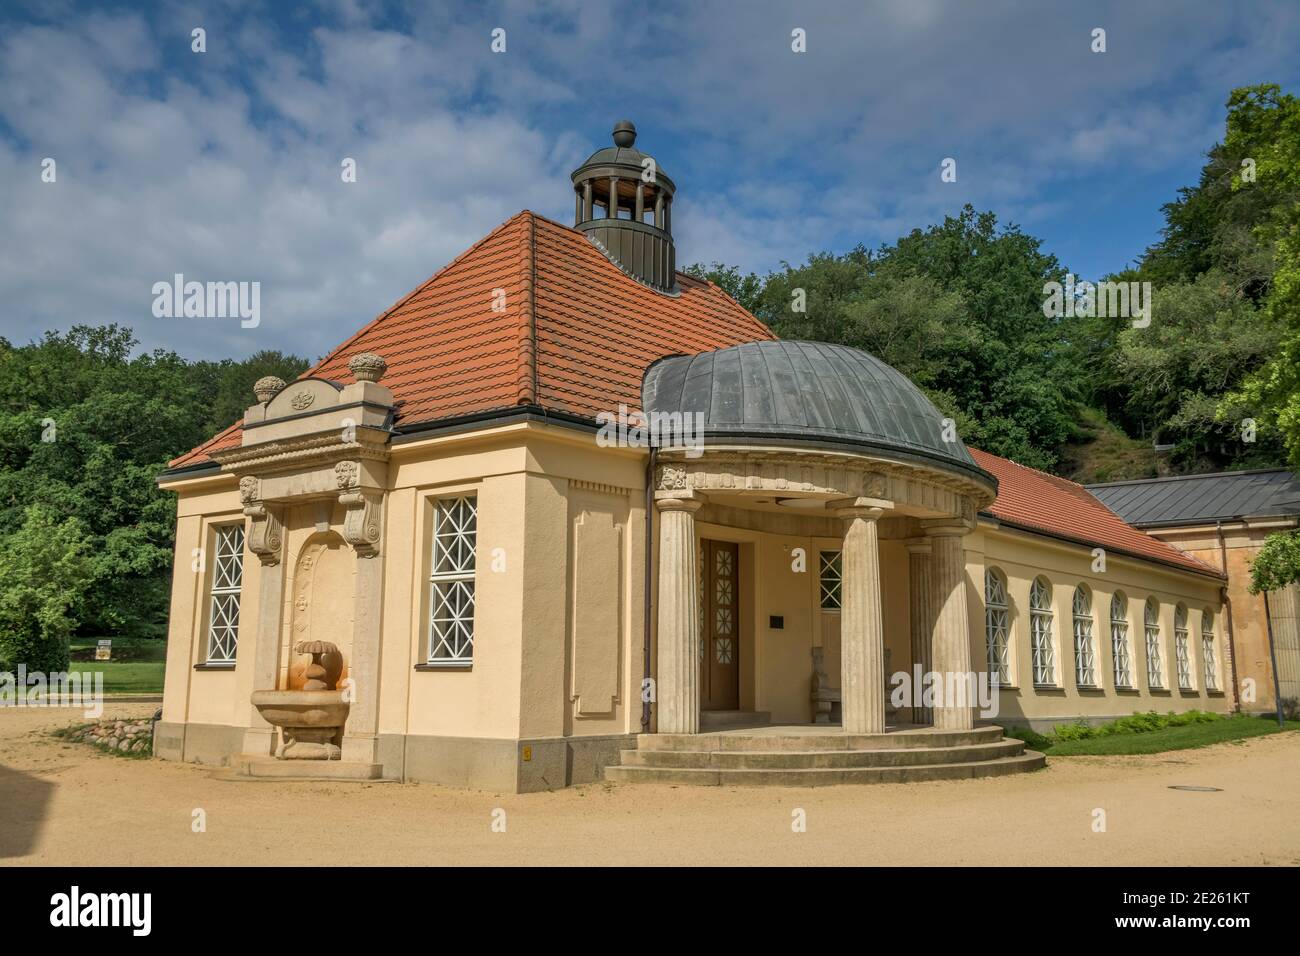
136 667
1158 741
141 677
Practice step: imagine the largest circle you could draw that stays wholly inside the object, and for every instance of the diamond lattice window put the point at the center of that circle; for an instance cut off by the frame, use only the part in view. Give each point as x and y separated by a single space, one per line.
1207 651
455 540
832 580
1182 654
996 620
1085 658
1119 640
227 579
1151 621
1040 627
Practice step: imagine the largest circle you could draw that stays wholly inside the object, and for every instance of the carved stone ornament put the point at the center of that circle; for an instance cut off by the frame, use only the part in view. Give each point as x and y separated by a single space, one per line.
265 532
302 400
672 478
347 474
249 489
267 387
367 367
361 522
874 485
968 511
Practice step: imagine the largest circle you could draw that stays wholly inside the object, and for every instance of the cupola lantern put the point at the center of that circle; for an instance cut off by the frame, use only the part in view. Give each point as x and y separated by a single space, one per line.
623 201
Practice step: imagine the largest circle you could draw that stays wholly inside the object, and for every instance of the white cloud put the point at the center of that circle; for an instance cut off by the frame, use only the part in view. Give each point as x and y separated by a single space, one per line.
226 165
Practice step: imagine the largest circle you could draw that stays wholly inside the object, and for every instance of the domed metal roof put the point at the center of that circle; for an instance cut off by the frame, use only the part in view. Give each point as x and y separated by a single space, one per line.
622 153
811 394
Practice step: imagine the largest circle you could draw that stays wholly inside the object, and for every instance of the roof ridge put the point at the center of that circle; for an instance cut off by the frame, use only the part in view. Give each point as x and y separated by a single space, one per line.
414 292
1204 474
526 340
678 272
1007 510
1042 474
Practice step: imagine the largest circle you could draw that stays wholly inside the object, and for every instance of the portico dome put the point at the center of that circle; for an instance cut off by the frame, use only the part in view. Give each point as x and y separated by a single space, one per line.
807 394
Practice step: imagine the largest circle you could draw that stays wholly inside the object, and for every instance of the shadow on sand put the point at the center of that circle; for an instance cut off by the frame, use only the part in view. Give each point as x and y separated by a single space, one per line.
26 800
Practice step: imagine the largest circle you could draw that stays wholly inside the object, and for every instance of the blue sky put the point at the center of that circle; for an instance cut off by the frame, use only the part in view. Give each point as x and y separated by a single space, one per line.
225 165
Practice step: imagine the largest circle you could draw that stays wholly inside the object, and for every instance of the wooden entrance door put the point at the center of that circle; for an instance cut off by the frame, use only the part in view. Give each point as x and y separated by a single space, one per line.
720 635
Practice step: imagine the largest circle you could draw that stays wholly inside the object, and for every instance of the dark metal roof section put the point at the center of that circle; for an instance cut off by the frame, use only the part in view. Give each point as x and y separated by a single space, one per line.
810 394
618 180
1194 499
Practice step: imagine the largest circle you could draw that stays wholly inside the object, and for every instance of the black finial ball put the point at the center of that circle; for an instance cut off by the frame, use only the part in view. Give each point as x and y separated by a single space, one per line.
624 133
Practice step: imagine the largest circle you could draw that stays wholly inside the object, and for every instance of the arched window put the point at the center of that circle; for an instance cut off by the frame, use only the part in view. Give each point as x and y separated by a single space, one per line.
1119 648
1182 655
1040 627
1085 660
1151 618
996 626
1207 650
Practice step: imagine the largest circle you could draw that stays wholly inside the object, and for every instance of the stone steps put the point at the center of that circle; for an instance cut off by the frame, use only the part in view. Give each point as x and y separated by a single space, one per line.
791 740
821 777
713 720
820 759
794 757
244 766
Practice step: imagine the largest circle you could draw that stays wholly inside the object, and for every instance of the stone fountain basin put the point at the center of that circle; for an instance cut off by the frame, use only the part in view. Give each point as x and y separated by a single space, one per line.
301 708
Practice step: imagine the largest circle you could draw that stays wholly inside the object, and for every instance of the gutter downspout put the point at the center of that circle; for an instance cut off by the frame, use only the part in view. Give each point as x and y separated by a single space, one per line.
647 586
1272 653
1232 632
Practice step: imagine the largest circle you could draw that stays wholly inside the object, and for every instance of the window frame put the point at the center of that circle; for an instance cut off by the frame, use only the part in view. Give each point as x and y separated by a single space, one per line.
452 588
1183 650
997 618
1041 622
835 592
1151 631
1120 649
220 595
1209 658
1084 649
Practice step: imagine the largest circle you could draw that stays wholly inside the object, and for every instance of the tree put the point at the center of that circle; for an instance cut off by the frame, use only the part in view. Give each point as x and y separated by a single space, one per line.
1204 337
44 569
1277 564
958 309
232 383
1264 127
86 427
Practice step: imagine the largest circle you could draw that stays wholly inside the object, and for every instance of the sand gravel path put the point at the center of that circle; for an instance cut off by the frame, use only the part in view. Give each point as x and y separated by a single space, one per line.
63 804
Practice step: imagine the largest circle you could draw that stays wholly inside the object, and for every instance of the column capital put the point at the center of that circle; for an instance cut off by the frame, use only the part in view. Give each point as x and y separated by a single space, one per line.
678 501
869 508
946 527
918 545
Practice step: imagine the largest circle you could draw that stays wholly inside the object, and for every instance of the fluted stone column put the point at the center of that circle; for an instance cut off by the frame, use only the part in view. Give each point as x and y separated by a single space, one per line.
920 593
678 685
862 633
951 646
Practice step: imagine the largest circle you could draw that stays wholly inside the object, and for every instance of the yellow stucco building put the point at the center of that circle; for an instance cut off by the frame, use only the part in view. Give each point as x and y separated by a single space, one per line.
451 552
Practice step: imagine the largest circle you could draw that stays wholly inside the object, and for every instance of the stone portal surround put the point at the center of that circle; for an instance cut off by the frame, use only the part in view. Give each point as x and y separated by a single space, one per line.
864 490
317 443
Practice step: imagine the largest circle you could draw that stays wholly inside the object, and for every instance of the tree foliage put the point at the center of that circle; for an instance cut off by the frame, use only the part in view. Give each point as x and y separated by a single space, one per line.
1264 126
957 308
1278 562
44 570
86 427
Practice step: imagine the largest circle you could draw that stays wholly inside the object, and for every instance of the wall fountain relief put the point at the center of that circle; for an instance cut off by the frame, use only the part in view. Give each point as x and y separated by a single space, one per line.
309 707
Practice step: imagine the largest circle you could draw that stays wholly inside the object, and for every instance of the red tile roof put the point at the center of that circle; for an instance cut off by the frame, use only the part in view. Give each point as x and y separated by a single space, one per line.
1037 501
575 335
